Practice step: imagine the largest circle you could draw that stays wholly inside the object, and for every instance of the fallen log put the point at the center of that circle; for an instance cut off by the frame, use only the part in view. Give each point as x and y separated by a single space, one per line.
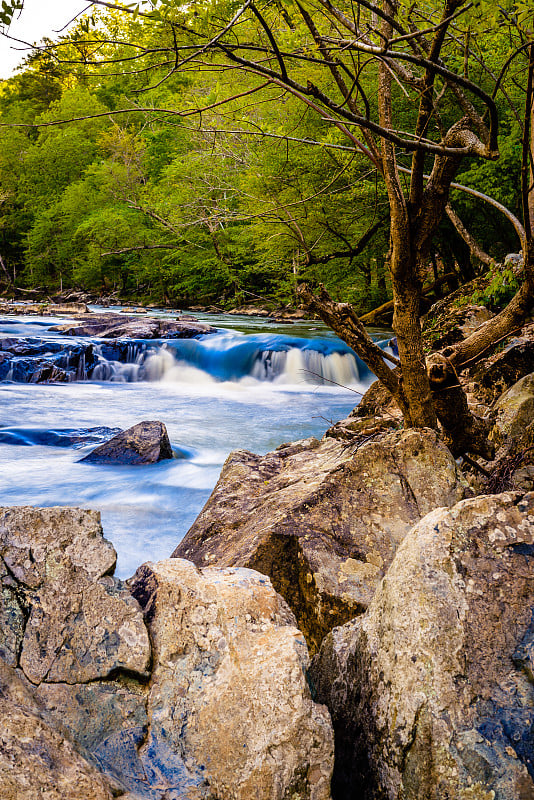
376 316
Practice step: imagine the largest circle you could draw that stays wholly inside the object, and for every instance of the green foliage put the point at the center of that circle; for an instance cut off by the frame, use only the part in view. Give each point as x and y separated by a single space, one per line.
174 208
8 10
502 284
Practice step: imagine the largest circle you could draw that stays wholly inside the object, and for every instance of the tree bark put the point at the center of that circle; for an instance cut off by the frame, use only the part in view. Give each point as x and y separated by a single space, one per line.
474 247
405 281
462 431
344 321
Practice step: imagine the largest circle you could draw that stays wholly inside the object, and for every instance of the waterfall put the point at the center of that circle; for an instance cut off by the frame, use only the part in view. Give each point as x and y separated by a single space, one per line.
224 357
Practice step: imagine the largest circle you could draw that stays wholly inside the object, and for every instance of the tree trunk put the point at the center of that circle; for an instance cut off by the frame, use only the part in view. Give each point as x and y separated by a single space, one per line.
474 247
407 328
510 319
462 431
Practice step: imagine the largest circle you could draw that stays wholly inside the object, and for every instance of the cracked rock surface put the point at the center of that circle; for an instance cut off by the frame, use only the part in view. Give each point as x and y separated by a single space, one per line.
36 760
431 690
66 619
204 696
228 687
323 520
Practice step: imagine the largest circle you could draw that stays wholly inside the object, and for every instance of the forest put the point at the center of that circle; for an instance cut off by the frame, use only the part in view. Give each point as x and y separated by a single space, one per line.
197 155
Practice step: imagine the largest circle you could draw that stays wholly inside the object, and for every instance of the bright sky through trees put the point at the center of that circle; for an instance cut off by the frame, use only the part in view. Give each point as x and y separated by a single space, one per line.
39 18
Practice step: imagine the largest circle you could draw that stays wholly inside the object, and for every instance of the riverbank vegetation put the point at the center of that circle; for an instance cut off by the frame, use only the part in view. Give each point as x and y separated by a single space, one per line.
163 190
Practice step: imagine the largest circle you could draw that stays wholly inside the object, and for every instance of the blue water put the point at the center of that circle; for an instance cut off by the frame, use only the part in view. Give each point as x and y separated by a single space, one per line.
225 391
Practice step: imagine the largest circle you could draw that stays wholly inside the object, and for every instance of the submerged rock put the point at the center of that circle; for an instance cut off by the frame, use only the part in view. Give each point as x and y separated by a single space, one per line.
323 520
32 360
228 685
431 691
144 443
59 437
119 326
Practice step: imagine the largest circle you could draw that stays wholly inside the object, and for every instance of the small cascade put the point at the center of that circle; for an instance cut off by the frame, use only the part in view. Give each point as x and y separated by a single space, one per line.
120 362
224 357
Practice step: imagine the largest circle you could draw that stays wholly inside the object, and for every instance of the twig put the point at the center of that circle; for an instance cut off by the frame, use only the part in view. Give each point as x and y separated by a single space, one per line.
318 375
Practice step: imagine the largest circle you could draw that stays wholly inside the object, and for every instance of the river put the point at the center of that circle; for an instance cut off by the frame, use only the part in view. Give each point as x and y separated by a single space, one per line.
252 385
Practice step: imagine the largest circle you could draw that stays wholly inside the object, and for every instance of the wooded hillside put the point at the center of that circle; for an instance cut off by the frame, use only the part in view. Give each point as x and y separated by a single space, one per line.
180 175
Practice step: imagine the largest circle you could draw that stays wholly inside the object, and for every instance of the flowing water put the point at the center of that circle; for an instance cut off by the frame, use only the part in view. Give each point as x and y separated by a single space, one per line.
251 385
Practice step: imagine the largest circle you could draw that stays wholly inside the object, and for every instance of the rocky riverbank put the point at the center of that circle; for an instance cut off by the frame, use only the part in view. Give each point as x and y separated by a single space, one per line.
408 574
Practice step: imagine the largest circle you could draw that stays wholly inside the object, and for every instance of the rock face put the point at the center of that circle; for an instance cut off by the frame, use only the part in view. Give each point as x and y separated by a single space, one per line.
514 410
496 374
144 443
36 760
455 324
431 691
65 625
64 618
323 520
228 685
218 707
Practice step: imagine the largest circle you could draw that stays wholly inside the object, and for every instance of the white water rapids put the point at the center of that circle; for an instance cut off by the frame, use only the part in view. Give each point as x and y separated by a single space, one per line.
225 391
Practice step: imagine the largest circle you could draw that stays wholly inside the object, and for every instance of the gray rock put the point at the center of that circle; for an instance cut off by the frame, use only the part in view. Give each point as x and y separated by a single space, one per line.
323 520
144 443
514 410
64 619
431 691
120 326
79 631
226 711
228 691
36 761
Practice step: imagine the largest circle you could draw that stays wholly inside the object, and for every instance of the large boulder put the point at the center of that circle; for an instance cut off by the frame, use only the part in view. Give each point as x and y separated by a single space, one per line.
228 686
36 761
63 618
431 691
77 641
323 520
514 410
218 707
144 443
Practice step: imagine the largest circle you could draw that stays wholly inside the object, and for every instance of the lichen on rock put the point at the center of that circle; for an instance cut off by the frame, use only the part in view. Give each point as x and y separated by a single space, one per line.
431 690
